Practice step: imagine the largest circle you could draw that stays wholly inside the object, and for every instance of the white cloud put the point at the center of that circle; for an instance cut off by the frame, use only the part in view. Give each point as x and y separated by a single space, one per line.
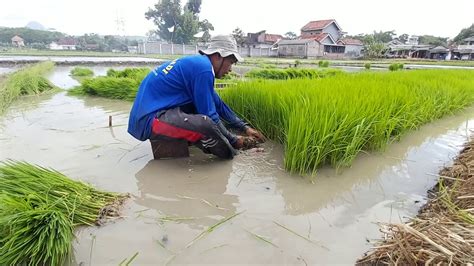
363 16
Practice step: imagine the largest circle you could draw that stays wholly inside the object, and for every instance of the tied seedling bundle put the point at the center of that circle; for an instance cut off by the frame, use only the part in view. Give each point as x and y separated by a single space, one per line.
39 210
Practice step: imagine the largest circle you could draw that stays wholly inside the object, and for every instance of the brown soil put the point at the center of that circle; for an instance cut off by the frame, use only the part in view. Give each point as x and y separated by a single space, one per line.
443 231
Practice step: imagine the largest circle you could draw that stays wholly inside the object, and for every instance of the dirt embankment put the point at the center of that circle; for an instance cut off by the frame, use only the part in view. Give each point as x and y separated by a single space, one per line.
443 231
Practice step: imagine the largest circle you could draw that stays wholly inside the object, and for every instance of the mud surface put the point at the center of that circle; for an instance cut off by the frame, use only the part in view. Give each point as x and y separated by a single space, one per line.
333 215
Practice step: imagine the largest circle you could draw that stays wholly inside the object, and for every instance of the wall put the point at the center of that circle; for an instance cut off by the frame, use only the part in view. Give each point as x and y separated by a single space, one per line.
180 49
353 50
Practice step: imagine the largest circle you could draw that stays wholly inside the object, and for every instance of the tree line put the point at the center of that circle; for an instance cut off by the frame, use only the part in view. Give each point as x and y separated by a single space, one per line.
40 39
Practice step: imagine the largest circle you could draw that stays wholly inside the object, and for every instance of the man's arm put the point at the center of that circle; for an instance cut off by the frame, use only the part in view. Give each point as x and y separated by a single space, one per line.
203 90
227 114
234 121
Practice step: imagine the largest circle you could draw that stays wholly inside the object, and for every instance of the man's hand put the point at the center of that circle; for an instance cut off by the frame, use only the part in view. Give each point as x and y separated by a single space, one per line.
245 143
253 133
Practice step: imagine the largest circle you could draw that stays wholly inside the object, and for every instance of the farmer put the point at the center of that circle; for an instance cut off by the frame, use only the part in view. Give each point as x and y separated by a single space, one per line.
177 100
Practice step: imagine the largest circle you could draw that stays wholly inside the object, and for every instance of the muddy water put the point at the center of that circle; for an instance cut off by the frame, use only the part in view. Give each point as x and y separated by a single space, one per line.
333 214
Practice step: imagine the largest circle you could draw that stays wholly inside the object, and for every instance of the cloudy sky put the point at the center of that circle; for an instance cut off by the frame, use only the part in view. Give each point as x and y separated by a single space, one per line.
417 17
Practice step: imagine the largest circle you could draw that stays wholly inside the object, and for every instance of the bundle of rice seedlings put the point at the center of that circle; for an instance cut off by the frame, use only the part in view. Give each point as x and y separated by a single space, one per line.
28 80
81 72
118 84
443 232
39 209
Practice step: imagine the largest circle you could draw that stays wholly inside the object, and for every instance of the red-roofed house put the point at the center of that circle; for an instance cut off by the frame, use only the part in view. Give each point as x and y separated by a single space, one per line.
17 41
322 39
262 39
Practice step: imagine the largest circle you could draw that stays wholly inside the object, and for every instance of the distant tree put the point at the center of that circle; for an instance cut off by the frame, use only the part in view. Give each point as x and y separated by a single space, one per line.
205 27
239 36
403 38
384 36
291 35
465 33
194 6
30 36
176 24
153 35
432 40
374 48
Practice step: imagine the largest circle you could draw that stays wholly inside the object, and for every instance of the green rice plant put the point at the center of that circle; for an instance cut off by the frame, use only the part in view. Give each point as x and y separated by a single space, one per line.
133 73
331 120
33 234
291 73
323 63
367 66
81 72
118 84
39 209
396 66
267 66
28 80
109 87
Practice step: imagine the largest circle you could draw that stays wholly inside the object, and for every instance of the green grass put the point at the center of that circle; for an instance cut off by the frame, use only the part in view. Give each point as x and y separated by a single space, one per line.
331 120
291 73
39 209
82 72
26 81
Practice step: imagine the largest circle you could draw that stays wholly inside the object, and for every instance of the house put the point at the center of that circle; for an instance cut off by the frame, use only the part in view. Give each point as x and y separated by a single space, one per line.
17 41
465 51
397 49
300 48
318 38
262 39
328 26
67 43
439 53
353 47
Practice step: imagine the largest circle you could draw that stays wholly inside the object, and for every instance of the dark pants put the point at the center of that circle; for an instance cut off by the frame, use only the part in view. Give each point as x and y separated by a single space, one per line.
197 129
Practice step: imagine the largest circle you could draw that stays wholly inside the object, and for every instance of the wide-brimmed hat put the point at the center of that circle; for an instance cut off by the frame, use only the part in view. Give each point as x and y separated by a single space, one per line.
225 45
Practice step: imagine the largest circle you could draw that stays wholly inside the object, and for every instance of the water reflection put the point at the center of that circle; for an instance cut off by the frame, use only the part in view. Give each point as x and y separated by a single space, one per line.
192 188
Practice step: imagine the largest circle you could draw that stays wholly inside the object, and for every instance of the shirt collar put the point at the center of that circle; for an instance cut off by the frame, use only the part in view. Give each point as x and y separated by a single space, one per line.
212 67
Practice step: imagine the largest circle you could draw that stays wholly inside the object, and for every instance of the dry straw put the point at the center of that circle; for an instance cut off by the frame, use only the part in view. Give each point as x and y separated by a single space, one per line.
443 232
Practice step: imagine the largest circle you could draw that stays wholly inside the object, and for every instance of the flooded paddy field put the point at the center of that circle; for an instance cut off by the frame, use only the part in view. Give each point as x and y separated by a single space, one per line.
326 219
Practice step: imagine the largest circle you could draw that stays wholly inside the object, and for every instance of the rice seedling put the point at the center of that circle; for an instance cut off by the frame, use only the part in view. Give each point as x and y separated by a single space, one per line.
291 73
331 120
126 262
25 81
211 228
39 209
367 66
259 237
81 72
323 63
116 85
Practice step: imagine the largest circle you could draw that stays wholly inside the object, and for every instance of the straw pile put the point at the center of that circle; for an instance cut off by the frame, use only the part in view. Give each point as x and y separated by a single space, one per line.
443 231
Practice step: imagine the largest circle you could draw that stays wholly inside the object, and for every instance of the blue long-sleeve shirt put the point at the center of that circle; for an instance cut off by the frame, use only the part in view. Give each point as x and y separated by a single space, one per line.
176 83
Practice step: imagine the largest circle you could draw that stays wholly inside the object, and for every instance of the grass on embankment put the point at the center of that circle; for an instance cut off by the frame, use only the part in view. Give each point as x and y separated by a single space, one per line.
331 120
26 81
39 210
